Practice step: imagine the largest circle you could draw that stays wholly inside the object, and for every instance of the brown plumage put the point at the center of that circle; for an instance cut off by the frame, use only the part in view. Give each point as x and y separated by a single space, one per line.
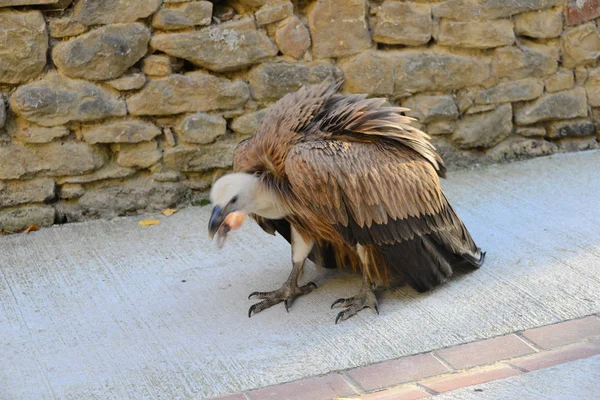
358 185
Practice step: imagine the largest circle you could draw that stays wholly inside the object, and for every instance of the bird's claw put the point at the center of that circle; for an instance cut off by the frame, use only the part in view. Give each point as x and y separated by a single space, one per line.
286 294
338 301
365 299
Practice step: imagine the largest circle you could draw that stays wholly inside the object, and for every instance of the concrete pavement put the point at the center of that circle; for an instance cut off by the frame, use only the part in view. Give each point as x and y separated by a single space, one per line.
578 380
108 309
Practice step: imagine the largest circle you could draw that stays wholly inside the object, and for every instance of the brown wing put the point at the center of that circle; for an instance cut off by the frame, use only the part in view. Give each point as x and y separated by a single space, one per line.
363 118
241 161
387 197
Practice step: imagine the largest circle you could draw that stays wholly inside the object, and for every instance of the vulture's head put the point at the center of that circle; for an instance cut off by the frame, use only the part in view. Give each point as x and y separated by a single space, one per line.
232 197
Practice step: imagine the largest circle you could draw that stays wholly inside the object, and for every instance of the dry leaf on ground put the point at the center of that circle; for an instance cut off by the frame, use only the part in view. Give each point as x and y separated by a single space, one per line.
149 222
31 228
168 211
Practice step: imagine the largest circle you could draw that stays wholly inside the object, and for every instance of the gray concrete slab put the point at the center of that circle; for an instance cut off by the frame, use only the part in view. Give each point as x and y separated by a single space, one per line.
576 380
100 310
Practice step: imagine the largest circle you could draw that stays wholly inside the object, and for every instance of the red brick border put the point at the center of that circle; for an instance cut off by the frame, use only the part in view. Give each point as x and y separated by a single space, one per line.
428 374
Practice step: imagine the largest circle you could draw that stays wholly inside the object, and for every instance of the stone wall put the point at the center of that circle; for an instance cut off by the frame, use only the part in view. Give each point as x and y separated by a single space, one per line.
109 107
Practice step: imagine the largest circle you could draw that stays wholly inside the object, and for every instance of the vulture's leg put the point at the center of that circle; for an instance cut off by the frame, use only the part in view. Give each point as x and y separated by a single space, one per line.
365 298
290 290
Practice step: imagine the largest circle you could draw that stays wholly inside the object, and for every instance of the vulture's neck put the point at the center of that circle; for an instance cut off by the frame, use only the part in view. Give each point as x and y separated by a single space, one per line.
267 203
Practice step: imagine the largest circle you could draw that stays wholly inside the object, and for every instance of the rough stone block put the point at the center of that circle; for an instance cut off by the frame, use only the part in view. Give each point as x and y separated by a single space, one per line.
575 128
202 180
272 80
71 191
56 100
441 127
579 11
16 219
580 45
29 191
53 159
23 45
403 23
247 124
189 158
570 144
476 34
12 3
69 158
252 3
368 72
484 130
274 11
128 82
592 87
201 128
65 27
127 131
338 28
194 91
419 71
158 65
168 176
30 133
465 10
293 37
526 61
96 12
197 13
431 108
110 171
480 108
16 161
509 92
562 80
133 195
553 106
530 131
225 47
581 75
2 112
139 156
540 24
104 53
520 148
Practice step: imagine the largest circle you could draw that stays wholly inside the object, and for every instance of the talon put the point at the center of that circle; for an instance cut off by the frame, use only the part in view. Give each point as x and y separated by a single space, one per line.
286 294
338 301
352 305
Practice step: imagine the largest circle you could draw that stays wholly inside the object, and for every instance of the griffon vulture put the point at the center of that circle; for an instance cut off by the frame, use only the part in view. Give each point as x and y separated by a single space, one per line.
347 181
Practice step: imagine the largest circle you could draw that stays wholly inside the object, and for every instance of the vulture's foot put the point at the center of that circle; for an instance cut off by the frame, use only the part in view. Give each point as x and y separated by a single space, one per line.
287 293
364 299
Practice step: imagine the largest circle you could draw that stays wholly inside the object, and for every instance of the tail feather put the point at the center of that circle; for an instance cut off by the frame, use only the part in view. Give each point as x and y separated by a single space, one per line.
424 262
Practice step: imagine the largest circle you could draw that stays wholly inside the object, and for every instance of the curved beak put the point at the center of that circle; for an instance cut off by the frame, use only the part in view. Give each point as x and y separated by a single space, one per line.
216 219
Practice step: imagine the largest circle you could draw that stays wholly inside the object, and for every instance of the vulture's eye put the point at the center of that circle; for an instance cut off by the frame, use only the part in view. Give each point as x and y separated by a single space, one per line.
234 200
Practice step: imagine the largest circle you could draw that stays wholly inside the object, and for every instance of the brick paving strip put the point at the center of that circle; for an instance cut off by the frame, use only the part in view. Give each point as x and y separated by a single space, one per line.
439 371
